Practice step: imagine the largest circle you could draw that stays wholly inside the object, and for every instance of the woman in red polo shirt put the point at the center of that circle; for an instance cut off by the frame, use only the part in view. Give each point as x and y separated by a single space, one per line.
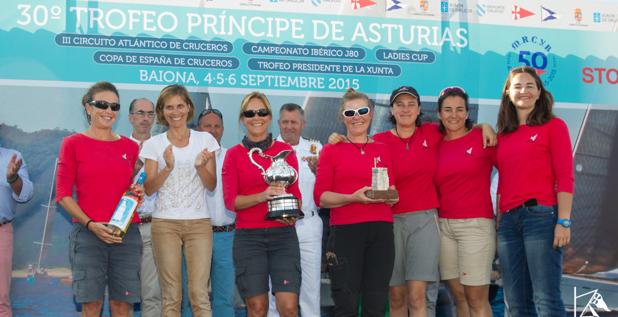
467 229
360 250
535 195
99 165
263 249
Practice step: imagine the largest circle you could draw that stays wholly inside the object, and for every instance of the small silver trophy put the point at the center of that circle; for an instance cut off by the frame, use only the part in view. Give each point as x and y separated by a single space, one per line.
380 184
279 172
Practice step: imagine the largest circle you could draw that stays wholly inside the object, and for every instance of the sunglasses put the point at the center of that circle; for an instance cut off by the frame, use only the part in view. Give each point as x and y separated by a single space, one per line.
103 105
452 89
209 111
251 113
352 112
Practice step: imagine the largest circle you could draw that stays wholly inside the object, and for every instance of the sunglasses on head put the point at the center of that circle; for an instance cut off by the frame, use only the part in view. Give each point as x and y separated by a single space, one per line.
209 111
451 89
251 113
103 105
352 112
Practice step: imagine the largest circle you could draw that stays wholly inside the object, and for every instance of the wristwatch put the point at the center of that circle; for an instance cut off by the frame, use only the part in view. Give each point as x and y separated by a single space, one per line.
564 222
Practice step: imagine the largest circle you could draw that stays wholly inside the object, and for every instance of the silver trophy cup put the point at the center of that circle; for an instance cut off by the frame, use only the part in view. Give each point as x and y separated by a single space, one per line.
279 172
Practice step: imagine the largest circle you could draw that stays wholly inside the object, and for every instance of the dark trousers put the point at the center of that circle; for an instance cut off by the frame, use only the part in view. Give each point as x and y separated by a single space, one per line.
360 258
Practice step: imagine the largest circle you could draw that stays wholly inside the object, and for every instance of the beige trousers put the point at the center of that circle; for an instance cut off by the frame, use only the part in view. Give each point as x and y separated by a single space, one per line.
170 238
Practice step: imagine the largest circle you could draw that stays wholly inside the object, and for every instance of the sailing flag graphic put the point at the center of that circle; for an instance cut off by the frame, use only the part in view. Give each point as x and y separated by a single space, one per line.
595 303
393 5
520 13
359 4
547 14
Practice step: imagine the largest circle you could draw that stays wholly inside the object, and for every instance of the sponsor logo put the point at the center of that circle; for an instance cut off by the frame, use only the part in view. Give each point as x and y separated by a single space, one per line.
547 14
393 5
359 4
578 16
425 145
469 151
457 7
533 138
534 51
594 304
596 17
519 13
423 5
422 9
250 3
481 9
600 17
287 1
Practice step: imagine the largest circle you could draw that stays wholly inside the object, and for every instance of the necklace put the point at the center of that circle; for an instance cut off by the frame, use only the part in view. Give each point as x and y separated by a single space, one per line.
407 143
360 148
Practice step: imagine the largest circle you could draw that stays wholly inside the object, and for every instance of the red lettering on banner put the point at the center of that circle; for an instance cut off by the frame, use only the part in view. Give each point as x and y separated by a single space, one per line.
600 74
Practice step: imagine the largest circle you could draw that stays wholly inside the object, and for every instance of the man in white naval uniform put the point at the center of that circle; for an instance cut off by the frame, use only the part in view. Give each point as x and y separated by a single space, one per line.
223 224
309 229
141 116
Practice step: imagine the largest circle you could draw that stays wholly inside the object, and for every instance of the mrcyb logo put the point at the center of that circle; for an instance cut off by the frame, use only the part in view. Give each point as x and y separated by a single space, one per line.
534 51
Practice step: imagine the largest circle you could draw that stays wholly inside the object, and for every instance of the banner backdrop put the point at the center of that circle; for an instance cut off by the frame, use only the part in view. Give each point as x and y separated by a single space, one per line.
307 52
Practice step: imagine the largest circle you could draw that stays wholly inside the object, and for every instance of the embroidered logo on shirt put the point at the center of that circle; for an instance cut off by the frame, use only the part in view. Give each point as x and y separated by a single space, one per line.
469 151
533 138
124 156
313 147
425 143
286 282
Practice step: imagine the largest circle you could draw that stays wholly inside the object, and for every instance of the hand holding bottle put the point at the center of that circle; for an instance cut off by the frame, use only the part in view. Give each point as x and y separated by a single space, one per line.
103 232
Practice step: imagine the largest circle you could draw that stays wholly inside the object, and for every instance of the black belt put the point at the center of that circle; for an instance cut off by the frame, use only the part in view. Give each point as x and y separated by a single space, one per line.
226 228
145 219
528 203
6 222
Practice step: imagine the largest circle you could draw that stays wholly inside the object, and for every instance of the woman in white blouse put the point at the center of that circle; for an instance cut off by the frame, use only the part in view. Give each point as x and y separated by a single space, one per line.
180 165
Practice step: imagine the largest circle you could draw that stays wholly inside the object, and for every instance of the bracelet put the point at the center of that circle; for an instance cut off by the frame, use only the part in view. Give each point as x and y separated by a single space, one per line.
12 180
87 223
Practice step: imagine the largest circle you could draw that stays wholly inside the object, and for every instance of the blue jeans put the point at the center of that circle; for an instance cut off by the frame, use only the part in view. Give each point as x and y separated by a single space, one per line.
531 266
222 275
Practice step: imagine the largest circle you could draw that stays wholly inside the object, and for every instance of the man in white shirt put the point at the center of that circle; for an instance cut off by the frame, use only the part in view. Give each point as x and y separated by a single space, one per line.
309 229
223 224
15 187
141 116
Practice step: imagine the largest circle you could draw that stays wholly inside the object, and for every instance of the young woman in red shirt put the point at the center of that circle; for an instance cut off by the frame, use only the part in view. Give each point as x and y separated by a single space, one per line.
99 165
263 249
535 194
467 229
360 249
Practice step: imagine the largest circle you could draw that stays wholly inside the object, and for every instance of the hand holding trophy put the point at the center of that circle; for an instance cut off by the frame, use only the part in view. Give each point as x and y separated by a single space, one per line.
282 206
380 184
